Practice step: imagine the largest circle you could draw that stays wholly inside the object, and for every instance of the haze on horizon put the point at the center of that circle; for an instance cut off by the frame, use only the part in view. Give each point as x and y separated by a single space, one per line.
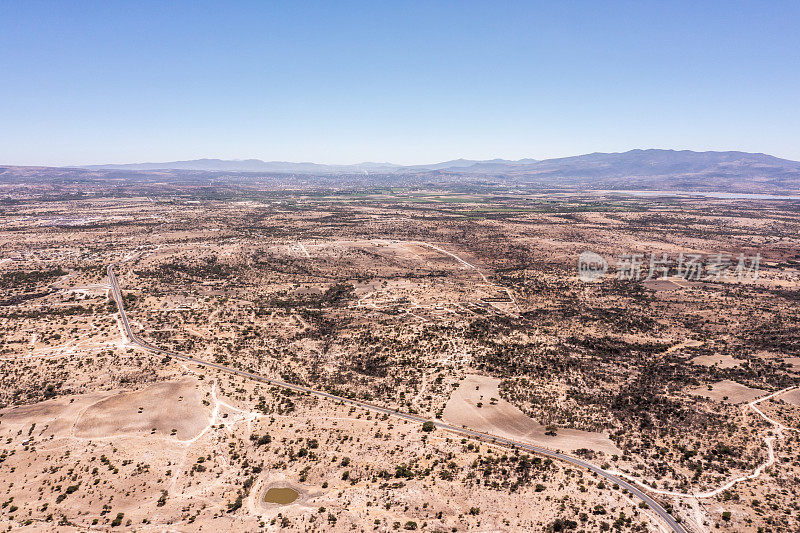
406 83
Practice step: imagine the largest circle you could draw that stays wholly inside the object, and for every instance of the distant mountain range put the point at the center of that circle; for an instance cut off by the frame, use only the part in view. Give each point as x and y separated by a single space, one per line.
672 170
628 164
257 165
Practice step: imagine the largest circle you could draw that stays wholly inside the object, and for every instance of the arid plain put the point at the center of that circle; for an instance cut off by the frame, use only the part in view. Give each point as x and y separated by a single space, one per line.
455 304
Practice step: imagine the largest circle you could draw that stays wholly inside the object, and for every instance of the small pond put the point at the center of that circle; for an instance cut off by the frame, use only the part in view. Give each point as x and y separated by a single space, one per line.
281 495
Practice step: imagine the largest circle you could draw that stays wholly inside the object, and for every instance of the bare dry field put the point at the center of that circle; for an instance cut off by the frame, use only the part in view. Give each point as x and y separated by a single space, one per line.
728 391
794 362
721 361
458 305
477 404
792 397
171 408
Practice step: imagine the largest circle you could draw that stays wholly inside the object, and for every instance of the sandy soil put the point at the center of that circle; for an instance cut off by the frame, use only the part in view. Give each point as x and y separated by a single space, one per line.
661 285
502 418
794 362
164 407
721 361
792 397
728 392
689 343
406 323
51 417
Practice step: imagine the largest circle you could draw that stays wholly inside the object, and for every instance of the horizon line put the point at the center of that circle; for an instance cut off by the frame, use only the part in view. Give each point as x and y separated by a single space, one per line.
374 162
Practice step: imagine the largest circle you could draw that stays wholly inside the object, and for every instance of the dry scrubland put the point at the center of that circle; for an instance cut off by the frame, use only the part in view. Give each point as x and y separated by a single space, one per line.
461 304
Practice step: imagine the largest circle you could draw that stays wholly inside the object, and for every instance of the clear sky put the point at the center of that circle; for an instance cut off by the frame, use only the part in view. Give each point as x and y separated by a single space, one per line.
406 82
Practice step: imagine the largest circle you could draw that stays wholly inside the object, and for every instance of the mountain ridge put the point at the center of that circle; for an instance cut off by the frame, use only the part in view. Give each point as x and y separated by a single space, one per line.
637 161
643 169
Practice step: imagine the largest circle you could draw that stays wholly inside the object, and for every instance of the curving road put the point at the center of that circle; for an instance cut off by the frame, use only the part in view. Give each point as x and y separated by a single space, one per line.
466 432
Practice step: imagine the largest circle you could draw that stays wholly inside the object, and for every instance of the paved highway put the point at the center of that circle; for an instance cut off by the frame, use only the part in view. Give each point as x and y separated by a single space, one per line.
135 340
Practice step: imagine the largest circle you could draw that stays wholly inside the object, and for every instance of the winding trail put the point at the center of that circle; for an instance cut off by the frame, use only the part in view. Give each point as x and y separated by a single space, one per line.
768 441
135 340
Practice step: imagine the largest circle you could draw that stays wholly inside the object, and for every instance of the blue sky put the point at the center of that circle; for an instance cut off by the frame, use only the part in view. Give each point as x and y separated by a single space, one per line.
406 82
